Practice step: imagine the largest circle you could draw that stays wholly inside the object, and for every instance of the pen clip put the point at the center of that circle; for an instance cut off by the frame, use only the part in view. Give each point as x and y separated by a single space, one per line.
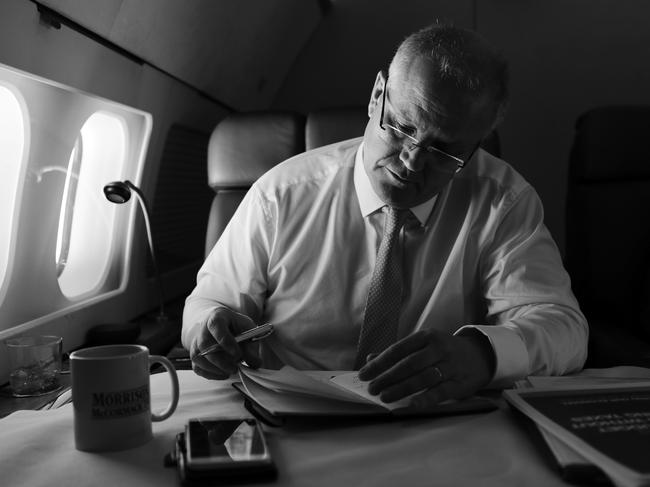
263 336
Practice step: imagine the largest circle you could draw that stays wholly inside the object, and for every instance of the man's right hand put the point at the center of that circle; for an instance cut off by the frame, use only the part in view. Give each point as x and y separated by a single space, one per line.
221 327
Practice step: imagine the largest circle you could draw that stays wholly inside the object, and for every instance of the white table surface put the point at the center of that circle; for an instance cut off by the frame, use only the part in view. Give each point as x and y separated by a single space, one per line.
487 449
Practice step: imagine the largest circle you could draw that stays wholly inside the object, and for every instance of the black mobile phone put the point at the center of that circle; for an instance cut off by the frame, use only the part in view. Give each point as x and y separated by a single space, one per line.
226 448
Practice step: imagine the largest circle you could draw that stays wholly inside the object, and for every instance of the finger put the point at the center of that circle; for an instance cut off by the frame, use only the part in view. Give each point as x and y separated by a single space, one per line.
449 388
398 351
429 398
404 369
217 362
240 322
224 325
371 357
200 342
221 329
211 374
250 350
426 379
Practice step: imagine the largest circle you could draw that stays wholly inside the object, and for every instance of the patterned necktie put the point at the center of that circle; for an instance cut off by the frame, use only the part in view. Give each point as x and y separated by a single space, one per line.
381 316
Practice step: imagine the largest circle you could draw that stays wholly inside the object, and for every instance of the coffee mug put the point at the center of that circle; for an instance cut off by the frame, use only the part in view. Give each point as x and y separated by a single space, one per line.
110 396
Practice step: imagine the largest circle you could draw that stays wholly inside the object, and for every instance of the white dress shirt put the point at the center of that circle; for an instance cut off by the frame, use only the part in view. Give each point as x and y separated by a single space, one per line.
300 250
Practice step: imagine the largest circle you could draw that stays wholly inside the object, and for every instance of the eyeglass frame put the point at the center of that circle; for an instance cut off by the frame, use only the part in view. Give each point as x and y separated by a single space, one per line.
460 163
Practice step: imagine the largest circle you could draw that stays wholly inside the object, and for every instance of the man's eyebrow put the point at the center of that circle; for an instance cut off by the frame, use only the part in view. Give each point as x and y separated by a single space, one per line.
399 117
439 140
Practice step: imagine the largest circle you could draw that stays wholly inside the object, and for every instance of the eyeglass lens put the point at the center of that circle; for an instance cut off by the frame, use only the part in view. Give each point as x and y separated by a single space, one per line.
410 142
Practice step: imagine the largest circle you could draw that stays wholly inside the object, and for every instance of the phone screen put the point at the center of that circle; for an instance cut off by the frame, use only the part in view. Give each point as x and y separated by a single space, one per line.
212 443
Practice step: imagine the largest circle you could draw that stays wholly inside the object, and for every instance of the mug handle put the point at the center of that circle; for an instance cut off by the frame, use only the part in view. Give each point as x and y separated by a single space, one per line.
157 359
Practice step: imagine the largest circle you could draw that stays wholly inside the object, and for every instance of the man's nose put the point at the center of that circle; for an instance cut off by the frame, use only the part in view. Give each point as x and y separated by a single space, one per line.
412 157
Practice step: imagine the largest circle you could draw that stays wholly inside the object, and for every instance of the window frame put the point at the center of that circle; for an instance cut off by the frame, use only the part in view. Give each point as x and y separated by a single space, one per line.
30 296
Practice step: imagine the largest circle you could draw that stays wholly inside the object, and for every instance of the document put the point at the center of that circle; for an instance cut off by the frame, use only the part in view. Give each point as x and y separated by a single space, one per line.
607 425
290 392
351 382
571 464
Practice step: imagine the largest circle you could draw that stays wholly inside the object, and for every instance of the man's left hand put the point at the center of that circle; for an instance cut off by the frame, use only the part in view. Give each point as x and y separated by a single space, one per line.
432 365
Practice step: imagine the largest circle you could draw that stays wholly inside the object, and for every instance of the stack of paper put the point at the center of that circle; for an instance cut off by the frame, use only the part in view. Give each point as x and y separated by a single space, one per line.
290 392
595 422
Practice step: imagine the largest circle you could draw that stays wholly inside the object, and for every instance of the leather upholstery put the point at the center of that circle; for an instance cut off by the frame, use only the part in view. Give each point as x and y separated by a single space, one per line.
608 232
243 146
331 125
611 144
246 145
222 209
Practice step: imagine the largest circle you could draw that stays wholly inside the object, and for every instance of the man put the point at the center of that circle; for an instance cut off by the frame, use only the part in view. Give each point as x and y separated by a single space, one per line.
411 253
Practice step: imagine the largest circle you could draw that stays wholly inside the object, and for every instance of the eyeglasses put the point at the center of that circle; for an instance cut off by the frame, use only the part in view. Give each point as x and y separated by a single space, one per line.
446 159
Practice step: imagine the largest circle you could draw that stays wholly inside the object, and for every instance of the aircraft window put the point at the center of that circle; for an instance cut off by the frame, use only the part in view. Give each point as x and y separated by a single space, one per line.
83 248
67 205
12 144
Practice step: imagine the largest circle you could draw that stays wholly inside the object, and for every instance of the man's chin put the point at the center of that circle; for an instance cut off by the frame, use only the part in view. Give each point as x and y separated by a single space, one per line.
397 197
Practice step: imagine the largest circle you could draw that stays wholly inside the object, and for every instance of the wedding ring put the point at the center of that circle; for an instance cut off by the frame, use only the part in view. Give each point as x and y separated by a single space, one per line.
439 372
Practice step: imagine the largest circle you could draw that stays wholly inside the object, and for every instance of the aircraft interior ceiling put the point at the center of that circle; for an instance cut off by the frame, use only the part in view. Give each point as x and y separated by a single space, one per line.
238 52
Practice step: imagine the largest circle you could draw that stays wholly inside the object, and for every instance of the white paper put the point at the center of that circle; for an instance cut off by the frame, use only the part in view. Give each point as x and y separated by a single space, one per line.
351 382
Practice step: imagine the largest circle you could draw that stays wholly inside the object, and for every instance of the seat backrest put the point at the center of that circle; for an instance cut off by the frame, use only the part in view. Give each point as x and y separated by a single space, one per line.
608 215
331 125
243 146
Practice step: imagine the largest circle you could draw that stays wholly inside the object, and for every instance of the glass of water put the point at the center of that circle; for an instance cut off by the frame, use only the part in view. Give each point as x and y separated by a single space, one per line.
34 364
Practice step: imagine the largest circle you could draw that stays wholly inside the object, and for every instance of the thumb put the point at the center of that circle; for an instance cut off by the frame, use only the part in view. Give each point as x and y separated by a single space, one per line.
224 325
371 357
250 350
239 323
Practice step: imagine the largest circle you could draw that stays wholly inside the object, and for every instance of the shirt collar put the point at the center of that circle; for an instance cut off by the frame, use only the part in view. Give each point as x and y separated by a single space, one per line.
370 202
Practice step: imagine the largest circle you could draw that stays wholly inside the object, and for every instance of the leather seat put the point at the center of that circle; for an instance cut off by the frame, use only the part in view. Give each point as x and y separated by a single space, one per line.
243 146
608 232
331 125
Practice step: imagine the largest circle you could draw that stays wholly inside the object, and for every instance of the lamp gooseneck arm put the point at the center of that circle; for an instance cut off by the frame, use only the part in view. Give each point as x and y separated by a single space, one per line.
145 211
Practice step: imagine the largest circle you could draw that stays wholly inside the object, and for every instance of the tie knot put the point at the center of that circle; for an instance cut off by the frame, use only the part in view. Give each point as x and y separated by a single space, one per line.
395 219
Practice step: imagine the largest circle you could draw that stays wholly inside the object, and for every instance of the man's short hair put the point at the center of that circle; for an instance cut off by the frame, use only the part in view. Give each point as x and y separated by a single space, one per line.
461 56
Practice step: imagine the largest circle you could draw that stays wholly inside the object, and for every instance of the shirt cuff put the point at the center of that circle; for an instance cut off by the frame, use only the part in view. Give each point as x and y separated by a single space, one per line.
511 355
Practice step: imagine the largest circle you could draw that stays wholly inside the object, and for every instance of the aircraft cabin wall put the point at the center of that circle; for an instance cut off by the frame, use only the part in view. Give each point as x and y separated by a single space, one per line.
189 63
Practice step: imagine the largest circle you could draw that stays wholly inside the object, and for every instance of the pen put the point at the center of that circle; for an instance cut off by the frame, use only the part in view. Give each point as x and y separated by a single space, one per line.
254 334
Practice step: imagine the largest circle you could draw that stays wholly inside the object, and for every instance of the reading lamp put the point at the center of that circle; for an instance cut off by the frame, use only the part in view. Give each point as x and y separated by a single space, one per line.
120 192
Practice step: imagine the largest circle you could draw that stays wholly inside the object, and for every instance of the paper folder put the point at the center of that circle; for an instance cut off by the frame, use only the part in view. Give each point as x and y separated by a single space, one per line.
274 396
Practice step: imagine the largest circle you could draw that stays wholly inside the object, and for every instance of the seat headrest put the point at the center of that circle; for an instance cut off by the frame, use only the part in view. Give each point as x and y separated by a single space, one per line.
334 124
611 144
243 146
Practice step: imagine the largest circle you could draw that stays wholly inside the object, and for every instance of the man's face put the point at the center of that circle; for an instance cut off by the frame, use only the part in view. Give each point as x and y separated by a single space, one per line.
434 113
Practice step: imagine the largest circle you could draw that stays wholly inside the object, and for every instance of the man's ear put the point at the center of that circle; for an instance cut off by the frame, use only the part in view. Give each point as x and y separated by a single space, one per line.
377 93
